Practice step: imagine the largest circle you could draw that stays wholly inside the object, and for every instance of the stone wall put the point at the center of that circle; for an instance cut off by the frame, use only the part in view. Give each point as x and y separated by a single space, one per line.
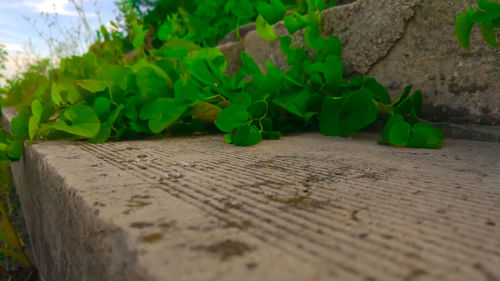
401 42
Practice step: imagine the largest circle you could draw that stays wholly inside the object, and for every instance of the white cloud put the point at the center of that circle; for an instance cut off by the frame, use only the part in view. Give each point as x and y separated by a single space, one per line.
51 6
12 47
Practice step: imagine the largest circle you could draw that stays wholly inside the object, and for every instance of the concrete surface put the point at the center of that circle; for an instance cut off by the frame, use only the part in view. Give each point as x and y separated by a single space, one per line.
307 207
402 42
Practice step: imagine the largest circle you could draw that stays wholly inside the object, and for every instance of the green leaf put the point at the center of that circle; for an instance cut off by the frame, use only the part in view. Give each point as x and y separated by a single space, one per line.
103 135
285 44
410 106
15 150
249 65
55 94
488 5
83 122
403 96
320 4
93 86
265 30
463 28
425 136
344 116
331 69
246 135
242 99
332 46
258 109
37 110
105 130
232 117
102 107
200 70
152 81
489 35
329 121
358 111
130 109
496 23
164 31
162 112
241 8
140 35
72 93
294 102
480 16
19 127
182 43
32 127
279 10
272 12
212 55
114 114
187 90
294 22
396 131
112 75
266 11
379 91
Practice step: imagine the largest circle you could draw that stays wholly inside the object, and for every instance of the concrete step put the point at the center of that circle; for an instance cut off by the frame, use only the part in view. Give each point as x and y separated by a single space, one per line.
307 207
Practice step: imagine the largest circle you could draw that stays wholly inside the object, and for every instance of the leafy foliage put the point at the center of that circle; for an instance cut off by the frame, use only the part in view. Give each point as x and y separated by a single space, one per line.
162 78
487 15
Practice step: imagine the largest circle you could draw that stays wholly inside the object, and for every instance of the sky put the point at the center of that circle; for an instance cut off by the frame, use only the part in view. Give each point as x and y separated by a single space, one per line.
16 32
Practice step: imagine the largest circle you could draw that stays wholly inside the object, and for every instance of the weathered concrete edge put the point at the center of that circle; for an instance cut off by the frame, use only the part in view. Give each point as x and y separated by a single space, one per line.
51 195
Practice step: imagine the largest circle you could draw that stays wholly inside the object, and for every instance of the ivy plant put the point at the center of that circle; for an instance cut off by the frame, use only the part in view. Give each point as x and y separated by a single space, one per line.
164 80
487 15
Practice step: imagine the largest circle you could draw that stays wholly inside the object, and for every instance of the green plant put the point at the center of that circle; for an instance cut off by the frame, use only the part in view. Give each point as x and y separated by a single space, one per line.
3 58
10 242
487 15
127 87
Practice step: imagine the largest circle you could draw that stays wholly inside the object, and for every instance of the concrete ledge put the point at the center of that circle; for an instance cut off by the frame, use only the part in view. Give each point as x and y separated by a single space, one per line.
306 207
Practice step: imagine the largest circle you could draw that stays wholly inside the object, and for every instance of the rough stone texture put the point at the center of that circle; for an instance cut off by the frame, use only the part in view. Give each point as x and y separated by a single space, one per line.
458 85
232 51
369 29
307 207
409 42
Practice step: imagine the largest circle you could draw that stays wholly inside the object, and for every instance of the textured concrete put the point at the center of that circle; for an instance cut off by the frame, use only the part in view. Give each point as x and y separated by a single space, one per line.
403 42
307 207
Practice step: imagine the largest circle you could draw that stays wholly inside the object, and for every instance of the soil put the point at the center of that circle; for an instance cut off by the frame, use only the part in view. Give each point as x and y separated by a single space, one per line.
9 270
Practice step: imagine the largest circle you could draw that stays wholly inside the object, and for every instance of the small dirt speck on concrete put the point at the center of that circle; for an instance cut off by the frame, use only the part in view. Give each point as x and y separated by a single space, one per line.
153 237
141 224
226 249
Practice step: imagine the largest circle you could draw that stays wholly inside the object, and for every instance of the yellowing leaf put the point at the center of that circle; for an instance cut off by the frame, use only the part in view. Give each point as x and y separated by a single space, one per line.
265 30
